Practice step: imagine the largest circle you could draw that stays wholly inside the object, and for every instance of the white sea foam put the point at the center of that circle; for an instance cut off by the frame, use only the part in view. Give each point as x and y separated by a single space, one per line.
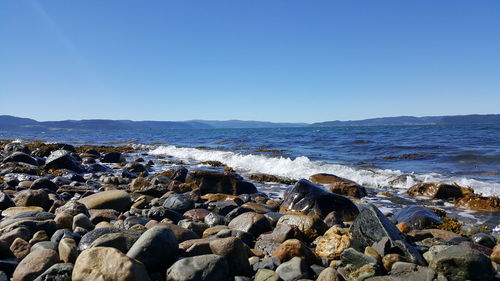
302 167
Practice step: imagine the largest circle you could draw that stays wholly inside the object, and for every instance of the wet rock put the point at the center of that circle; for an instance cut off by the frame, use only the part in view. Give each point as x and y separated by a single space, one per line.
179 203
199 268
294 248
339 185
234 252
265 178
417 217
38 198
121 241
484 240
436 190
112 199
20 157
62 159
35 264
113 157
310 199
44 183
177 174
15 147
253 223
107 264
333 243
258 208
220 182
156 248
371 226
462 263
292 270
68 250
91 236
480 203
57 272
310 226
136 168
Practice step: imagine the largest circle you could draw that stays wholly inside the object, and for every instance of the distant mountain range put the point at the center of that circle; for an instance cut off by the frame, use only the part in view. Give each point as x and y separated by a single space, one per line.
8 122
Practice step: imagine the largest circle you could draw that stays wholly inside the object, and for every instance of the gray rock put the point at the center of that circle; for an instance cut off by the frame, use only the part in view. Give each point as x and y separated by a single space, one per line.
20 157
62 159
113 157
64 233
292 270
266 275
328 274
418 217
412 272
431 254
267 263
352 257
371 226
44 245
121 241
253 223
3 276
179 203
57 272
213 219
199 268
462 263
156 248
83 221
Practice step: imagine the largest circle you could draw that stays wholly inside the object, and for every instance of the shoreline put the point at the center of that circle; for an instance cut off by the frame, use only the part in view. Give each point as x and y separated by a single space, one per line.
154 199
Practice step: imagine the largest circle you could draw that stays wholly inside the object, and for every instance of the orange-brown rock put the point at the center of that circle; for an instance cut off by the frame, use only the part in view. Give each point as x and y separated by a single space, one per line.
480 203
294 248
403 227
436 190
339 185
495 256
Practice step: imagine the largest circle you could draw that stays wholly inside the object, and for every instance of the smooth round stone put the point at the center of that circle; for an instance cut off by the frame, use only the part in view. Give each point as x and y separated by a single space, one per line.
179 203
121 241
484 239
83 221
35 264
64 233
91 236
17 210
44 183
203 267
112 199
156 248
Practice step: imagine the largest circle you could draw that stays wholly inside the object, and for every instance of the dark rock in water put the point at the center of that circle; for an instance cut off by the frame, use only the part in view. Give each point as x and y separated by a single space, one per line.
436 190
199 268
371 226
5 201
418 217
177 174
156 248
484 240
44 183
310 199
15 147
62 159
460 263
339 185
57 272
21 157
113 157
98 168
292 270
220 182
179 203
91 236
136 168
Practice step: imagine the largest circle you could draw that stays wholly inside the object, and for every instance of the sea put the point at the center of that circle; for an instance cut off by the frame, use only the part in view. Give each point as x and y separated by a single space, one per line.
382 158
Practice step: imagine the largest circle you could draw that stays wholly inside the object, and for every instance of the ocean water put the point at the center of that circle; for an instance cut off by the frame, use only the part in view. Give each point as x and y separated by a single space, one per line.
381 157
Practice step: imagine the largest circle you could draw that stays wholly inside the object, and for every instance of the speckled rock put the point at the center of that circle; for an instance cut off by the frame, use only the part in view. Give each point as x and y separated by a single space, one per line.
333 242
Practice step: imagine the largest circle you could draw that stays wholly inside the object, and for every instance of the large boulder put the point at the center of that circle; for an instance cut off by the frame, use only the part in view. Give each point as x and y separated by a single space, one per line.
107 264
371 226
199 268
220 182
62 159
112 199
436 190
418 217
461 263
310 199
156 248
339 185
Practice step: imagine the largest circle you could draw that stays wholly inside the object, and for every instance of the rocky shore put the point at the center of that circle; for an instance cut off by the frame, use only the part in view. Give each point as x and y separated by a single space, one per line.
110 213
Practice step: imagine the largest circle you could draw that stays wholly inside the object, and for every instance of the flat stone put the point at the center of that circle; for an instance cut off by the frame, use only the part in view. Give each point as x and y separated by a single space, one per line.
107 264
112 199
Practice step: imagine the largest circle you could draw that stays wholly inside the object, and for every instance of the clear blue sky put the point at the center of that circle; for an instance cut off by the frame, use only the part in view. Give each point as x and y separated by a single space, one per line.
253 60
